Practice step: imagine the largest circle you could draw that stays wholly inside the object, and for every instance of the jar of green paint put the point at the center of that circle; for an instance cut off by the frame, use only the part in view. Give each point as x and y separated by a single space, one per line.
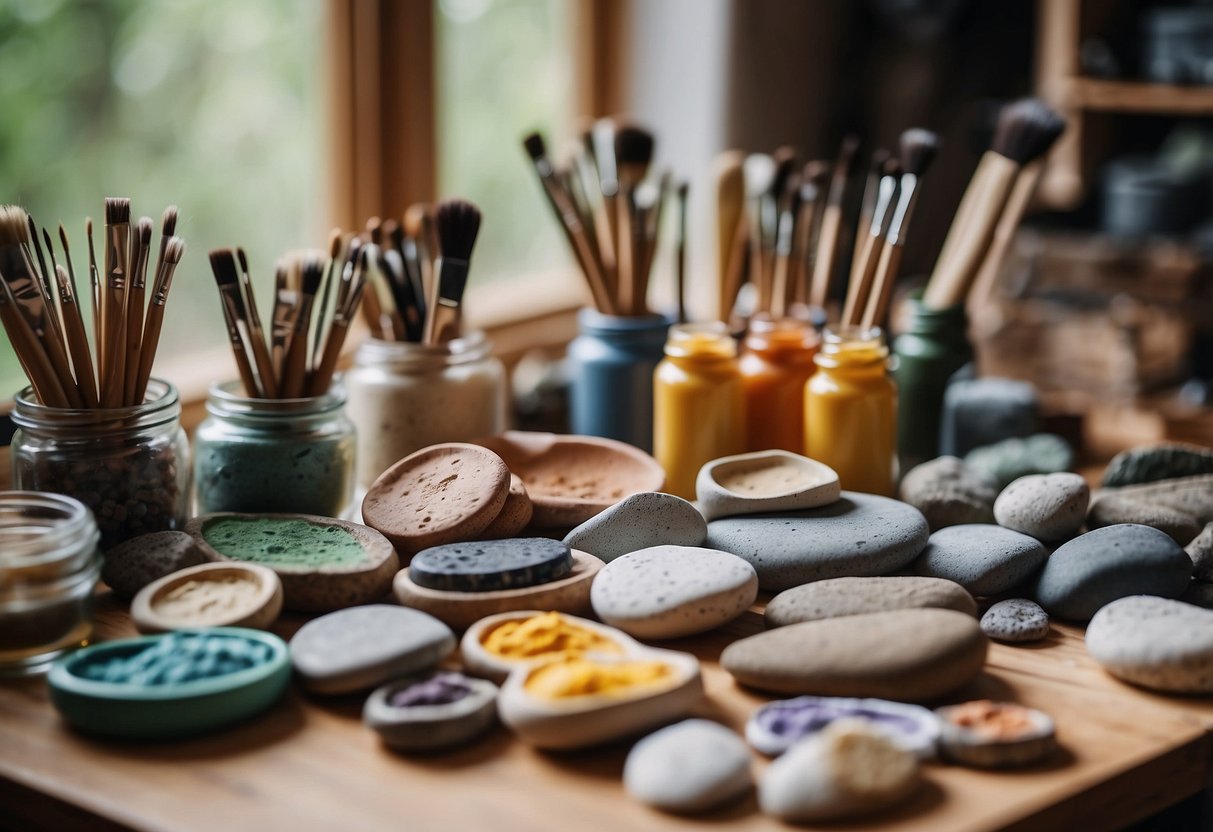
274 455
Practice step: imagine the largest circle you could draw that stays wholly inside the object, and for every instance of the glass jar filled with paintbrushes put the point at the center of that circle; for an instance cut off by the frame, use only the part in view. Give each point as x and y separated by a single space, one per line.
776 363
420 379
93 424
277 439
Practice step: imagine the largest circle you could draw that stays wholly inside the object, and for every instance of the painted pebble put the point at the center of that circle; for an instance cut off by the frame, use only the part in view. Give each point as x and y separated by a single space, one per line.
1156 643
949 493
984 559
356 649
837 597
1010 459
132 565
491 565
858 535
209 595
692 766
673 591
431 711
764 481
1016 619
777 726
989 734
649 518
1114 562
1049 507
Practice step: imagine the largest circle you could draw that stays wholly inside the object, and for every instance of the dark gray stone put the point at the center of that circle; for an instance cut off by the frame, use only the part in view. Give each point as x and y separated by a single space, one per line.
984 411
1016 619
1151 463
985 560
132 565
491 565
948 493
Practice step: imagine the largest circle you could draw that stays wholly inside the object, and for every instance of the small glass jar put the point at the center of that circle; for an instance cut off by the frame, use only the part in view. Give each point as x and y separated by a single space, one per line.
49 566
851 411
129 465
698 403
775 366
274 455
611 364
405 396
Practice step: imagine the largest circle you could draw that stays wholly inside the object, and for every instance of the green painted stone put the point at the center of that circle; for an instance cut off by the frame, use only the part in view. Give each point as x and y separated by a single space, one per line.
1152 463
1011 459
281 542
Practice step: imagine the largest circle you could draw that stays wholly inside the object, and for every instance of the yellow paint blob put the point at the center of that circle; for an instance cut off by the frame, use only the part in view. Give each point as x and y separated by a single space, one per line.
575 676
542 635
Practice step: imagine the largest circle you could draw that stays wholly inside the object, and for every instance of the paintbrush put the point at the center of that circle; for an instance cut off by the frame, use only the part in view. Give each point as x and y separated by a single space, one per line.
174 249
867 205
81 356
759 171
113 299
680 263
771 203
322 377
782 278
282 323
94 281
256 335
458 223
633 154
825 263
227 278
861 286
294 366
133 324
729 176
418 226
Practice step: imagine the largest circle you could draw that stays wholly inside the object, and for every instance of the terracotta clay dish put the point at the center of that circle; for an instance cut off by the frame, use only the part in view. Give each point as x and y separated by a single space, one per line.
572 478
515 514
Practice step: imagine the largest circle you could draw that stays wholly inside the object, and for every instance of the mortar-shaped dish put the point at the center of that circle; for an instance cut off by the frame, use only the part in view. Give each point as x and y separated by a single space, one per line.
431 727
209 595
479 661
971 747
590 719
572 478
461 610
764 481
169 711
777 726
347 564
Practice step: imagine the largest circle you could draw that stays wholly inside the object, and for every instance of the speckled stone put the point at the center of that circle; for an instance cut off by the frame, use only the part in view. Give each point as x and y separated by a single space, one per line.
1190 495
1200 551
491 565
908 655
985 560
982 411
649 518
838 597
1156 643
859 535
132 565
361 647
1010 459
1107 509
692 766
1110 563
1164 461
949 493
1049 507
1016 619
673 591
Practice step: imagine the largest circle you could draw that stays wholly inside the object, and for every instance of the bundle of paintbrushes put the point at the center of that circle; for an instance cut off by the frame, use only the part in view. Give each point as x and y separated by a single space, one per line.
610 211
416 291
315 300
40 307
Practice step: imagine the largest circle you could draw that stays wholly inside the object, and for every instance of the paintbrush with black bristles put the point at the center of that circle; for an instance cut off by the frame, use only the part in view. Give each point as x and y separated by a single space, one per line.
633 155
771 204
73 324
133 324
256 335
113 298
829 238
174 250
94 281
458 223
783 278
294 366
227 278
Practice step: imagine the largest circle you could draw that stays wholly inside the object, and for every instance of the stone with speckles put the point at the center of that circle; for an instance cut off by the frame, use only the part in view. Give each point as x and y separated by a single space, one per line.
984 559
649 518
1016 619
1155 642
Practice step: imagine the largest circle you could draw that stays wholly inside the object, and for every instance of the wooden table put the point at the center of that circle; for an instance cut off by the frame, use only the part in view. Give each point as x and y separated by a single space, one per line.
310 764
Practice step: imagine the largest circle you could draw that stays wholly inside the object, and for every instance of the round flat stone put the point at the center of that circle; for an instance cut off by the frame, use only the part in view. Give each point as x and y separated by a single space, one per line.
132 565
838 597
515 514
984 559
1114 562
491 565
1045 506
948 492
692 766
673 591
440 494
639 521
909 655
1016 619
1156 643
360 647
858 535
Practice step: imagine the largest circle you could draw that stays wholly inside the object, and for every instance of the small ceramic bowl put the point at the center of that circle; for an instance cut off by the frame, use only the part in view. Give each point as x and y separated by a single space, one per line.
461 610
240 595
911 727
432 727
764 481
480 662
579 721
133 711
572 478
971 747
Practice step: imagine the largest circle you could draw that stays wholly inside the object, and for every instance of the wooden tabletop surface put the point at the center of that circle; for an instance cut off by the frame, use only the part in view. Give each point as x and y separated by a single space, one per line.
309 763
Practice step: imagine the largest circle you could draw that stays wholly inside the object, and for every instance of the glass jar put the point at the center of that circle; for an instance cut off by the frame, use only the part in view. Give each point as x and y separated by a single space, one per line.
928 353
274 455
775 366
49 566
698 403
611 364
851 411
129 465
405 396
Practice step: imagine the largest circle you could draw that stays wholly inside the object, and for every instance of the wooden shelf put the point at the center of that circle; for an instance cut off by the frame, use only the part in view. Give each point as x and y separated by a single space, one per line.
1095 95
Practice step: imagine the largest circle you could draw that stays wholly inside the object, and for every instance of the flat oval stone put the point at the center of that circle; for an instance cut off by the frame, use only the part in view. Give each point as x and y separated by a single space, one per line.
1045 506
1016 619
673 591
639 521
490 565
837 597
909 655
431 711
1200 551
1109 510
1114 562
948 492
515 514
1189 495
984 559
360 647
859 535
1156 643
692 766
135 563
1164 461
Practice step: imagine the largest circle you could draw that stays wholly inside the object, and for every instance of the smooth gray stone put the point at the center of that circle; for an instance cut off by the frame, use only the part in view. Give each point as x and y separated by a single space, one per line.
1164 461
691 766
1156 643
985 560
984 411
1049 507
839 597
859 535
1107 509
948 492
1190 495
1010 459
649 518
1201 552
491 565
132 565
1016 619
1101 566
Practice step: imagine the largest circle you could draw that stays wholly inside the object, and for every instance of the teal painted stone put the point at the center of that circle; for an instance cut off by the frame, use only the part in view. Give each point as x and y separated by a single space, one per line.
1010 459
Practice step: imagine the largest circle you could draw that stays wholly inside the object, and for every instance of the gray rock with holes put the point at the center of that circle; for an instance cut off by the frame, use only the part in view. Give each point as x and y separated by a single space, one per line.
1155 642
1016 620
649 518
1050 507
